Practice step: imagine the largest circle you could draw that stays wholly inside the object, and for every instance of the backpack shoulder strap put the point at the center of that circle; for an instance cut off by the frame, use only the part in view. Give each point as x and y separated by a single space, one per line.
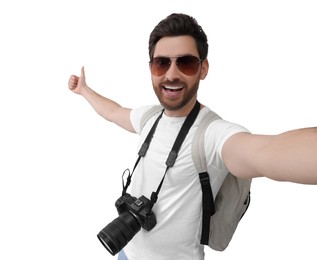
148 114
199 158
198 145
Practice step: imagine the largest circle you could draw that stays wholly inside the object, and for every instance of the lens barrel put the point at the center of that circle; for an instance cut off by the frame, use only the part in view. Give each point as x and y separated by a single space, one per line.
119 232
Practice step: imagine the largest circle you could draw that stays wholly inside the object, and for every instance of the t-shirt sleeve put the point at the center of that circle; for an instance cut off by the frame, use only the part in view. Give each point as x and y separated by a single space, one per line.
229 130
216 135
136 117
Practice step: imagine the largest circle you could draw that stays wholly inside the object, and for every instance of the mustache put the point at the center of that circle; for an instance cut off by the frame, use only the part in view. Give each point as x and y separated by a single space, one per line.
174 82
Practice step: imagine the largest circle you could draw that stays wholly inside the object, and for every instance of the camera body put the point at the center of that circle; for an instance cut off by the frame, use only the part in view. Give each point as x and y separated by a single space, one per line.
139 207
133 214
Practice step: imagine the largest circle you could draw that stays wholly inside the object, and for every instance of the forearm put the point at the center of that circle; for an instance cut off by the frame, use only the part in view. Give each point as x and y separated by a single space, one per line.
105 107
292 156
108 109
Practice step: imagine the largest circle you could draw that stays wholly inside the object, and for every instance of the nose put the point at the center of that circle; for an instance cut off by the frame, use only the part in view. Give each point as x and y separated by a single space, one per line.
173 72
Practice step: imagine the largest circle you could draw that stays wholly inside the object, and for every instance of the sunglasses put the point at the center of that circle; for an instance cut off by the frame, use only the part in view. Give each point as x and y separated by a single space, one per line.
188 64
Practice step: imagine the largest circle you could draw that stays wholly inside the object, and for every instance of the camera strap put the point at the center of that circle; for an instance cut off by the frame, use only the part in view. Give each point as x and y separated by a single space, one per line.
190 119
141 153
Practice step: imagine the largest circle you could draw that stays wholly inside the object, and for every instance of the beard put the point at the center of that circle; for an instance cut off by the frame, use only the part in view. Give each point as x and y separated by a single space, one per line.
180 102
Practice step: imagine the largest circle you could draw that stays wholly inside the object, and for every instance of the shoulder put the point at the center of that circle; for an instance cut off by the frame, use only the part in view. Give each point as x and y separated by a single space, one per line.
219 127
219 131
141 115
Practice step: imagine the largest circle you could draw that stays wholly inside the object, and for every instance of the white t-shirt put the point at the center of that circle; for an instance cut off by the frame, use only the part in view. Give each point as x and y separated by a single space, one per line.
179 206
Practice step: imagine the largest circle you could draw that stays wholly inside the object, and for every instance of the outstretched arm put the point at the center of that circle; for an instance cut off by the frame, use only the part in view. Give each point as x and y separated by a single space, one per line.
105 107
290 156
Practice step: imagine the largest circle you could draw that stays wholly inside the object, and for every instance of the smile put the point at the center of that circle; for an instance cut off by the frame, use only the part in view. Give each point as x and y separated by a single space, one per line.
173 88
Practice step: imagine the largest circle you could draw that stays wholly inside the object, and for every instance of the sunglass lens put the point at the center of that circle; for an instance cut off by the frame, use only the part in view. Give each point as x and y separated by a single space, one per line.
188 64
160 65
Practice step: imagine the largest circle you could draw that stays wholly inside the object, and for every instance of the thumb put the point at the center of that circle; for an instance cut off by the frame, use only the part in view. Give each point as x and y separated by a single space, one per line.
82 75
82 78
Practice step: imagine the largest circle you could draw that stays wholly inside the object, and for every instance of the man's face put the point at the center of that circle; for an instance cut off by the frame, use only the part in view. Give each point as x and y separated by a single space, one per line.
176 91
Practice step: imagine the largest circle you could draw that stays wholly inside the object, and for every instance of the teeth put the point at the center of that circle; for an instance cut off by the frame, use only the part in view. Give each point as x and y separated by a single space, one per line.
173 87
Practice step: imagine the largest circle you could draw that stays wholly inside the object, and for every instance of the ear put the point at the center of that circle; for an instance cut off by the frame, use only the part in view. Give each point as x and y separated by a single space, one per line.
204 69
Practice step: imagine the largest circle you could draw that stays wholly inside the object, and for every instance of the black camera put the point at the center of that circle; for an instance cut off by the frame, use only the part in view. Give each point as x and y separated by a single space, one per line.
133 214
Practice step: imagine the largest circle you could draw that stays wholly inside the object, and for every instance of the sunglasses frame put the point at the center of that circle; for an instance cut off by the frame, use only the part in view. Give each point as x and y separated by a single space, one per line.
189 71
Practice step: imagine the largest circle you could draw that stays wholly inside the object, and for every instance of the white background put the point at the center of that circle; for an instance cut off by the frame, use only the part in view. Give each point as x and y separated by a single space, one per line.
61 164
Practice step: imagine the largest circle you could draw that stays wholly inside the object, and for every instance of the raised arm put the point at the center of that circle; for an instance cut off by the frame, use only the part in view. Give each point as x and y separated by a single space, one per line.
105 107
290 156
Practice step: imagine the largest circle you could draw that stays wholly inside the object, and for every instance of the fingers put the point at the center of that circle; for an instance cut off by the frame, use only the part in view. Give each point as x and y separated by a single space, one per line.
73 82
76 83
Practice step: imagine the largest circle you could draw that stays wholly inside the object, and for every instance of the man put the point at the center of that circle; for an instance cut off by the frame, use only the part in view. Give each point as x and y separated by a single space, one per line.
178 51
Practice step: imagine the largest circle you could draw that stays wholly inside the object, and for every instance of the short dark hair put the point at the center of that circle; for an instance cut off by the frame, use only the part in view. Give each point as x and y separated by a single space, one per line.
177 24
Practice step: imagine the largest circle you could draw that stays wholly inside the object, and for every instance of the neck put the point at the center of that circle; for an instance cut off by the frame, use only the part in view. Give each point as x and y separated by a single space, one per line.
183 111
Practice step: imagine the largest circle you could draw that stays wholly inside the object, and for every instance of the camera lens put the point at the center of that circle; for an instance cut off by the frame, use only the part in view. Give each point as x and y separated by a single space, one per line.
119 232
